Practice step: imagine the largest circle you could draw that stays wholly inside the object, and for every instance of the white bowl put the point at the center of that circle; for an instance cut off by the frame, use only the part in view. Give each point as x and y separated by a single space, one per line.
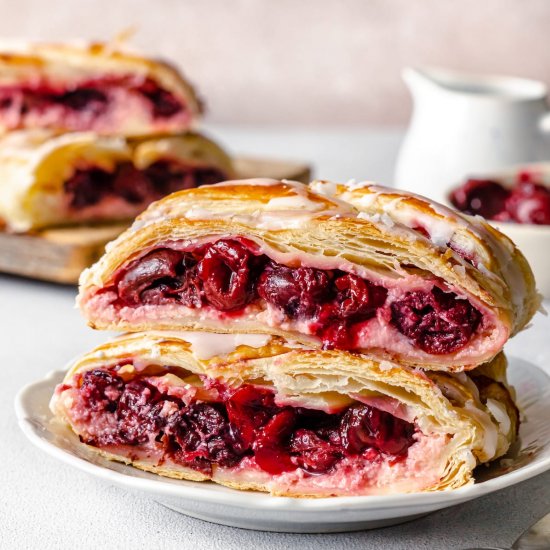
254 510
533 240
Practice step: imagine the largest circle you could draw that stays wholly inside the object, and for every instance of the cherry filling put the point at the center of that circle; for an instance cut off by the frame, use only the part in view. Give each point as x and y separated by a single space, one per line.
297 292
165 104
483 197
90 186
238 423
228 276
225 272
438 322
90 98
525 202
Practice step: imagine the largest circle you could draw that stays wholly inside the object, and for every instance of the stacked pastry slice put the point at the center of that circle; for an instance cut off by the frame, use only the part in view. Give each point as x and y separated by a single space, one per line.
51 179
95 87
95 134
306 341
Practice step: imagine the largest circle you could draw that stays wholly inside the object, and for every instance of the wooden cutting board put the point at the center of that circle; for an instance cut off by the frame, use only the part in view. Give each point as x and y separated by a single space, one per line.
59 255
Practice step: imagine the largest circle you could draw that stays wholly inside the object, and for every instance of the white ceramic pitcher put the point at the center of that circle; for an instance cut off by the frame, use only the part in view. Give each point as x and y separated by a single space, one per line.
464 124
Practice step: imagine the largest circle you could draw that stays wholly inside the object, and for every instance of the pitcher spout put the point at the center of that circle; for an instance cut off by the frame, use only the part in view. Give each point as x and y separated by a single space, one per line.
430 82
424 80
418 79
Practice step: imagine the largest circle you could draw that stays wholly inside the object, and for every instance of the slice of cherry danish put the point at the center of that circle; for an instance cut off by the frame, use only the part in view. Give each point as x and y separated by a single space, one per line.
51 179
277 257
256 412
97 87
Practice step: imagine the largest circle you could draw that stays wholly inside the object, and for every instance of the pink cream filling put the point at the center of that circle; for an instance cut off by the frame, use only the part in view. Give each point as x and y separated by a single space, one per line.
103 104
410 317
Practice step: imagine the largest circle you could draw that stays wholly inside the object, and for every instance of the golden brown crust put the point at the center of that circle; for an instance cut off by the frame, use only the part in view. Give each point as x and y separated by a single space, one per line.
440 403
293 224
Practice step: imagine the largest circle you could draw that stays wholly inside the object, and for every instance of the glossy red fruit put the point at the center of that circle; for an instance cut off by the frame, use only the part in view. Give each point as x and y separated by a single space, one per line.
167 177
189 291
208 419
142 273
135 412
438 322
297 291
354 300
529 203
207 176
248 409
133 185
225 271
164 103
365 427
483 197
84 99
503 216
203 433
313 454
337 335
270 447
528 176
469 256
185 287
357 298
245 422
422 230
101 390
87 187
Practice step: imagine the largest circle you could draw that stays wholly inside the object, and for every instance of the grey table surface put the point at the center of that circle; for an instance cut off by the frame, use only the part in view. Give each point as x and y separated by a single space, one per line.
48 505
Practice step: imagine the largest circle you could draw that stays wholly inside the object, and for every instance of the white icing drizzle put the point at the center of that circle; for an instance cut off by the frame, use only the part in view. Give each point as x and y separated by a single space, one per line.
200 213
271 221
510 269
326 188
282 220
499 412
377 218
287 212
254 181
365 201
353 184
438 208
490 431
205 345
294 203
441 231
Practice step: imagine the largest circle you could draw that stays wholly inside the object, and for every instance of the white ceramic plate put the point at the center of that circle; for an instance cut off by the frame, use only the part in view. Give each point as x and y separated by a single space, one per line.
253 510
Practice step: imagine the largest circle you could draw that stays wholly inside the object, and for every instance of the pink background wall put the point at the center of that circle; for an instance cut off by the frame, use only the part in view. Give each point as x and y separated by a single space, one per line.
309 61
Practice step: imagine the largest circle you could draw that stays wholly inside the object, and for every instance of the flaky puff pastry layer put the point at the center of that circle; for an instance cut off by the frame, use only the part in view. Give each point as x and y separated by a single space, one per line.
65 66
472 237
467 425
296 226
35 164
